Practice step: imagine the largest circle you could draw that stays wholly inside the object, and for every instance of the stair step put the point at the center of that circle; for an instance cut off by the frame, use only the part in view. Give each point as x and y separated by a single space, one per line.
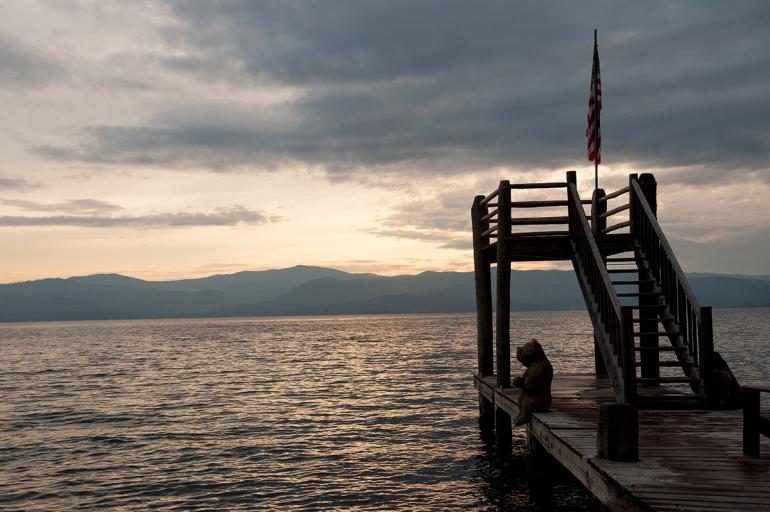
613 260
647 306
657 333
622 270
661 349
657 319
638 294
667 380
666 397
668 364
640 281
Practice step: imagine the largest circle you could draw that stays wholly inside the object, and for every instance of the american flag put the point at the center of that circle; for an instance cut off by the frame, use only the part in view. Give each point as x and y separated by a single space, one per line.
594 107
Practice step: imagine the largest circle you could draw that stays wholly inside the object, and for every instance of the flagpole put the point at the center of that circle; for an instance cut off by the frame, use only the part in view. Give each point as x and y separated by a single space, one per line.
596 142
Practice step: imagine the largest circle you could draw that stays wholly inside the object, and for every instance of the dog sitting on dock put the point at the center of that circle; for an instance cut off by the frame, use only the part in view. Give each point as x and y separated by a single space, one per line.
535 384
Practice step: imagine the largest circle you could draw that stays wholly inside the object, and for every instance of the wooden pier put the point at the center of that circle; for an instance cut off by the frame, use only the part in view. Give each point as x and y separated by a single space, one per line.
657 424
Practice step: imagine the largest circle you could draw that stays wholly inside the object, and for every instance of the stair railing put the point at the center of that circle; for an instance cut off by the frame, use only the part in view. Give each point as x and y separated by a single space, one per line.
694 320
612 323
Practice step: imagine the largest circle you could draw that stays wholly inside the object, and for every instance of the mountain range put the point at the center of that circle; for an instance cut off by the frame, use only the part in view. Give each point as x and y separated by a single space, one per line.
306 290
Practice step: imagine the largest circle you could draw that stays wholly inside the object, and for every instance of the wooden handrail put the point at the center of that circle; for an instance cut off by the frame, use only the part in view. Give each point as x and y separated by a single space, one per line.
489 215
614 211
538 185
644 206
694 321
538 204
605 277
530 221
490 197
488 231
614 325
519 234
614 194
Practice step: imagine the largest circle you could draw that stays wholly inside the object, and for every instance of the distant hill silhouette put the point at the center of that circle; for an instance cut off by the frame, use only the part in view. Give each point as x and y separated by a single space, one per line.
305 290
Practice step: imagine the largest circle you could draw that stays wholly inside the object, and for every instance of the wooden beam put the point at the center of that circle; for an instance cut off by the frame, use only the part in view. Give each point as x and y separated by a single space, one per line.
482 274
502 319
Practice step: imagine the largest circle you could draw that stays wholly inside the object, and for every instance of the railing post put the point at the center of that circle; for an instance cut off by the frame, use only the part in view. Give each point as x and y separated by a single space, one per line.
751 422
503 318
598 223
597 209
482 275
706 345
617 435
650 188
626 353
632 203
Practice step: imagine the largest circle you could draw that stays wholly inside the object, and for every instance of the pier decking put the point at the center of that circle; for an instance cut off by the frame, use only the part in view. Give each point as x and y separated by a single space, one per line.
689 460
657 425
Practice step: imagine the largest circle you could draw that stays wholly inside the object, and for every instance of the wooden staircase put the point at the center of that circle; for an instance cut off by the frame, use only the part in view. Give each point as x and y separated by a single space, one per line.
664 335
653 339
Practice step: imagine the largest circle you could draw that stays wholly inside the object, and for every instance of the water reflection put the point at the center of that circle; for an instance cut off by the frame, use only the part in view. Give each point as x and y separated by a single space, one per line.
356 413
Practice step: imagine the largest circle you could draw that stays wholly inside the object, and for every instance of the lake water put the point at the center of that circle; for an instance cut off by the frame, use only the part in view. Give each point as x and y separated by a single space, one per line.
344 413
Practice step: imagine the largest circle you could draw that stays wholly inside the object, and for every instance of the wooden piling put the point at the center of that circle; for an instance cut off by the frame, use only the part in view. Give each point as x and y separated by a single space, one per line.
751 422
503 431
598 223
486 418
617 436
482 274
649 356
539 472
707 354
503 318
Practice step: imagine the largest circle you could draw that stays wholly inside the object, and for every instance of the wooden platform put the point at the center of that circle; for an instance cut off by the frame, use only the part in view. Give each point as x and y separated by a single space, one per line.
690 459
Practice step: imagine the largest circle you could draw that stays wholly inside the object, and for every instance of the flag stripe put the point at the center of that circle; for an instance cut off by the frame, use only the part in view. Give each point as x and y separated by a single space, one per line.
593 132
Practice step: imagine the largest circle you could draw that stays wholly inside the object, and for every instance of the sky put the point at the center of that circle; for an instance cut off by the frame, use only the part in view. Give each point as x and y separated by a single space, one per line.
178 139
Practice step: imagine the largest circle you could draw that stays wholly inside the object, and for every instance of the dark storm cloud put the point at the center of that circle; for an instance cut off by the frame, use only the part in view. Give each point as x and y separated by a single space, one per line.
231 216
458 86
23 66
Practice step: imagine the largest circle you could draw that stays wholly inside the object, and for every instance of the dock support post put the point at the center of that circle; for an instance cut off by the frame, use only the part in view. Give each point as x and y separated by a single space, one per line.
650 359
598 223
539 472
751 422
503 319
706 336
486 419
503 431
617 437
483 279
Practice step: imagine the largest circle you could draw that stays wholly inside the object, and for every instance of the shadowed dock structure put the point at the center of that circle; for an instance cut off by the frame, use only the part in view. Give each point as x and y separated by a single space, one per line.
657 424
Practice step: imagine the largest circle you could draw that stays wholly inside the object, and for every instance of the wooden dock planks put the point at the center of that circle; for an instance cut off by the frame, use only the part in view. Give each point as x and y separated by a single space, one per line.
689 459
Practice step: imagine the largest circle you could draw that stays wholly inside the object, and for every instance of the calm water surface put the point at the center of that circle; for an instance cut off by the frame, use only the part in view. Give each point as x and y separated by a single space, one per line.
344 413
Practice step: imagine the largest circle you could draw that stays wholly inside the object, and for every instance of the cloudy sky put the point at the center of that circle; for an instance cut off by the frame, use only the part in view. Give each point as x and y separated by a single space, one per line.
179 139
